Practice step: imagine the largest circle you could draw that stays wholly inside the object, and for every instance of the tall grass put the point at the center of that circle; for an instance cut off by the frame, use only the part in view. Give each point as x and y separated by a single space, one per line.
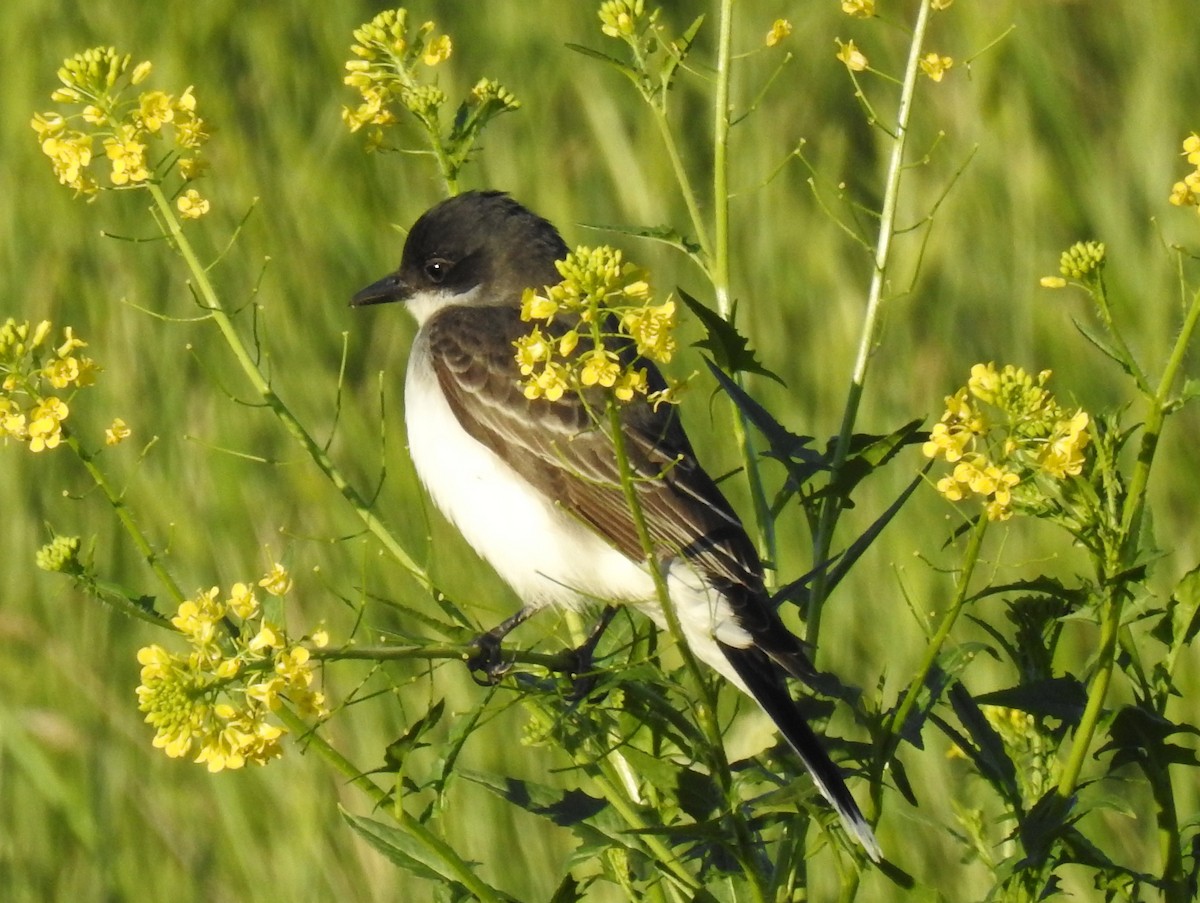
1072 126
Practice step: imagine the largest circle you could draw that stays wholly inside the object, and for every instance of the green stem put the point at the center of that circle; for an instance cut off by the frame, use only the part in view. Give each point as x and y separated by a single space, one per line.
245 359
1110 628
763 519
610 788
117 500
1174 880
1131 527
891 738
434 845
707 709
832 507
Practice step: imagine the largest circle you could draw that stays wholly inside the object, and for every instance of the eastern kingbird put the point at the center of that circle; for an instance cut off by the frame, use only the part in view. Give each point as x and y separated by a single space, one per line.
533 484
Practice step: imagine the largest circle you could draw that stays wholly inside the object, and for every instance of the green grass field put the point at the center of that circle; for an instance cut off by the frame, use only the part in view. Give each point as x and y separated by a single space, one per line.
1068 128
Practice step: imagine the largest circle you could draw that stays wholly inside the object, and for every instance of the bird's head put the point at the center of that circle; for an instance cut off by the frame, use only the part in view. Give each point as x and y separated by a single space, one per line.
478 248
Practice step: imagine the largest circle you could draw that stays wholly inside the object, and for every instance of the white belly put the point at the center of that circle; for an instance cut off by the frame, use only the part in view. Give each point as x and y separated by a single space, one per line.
544 554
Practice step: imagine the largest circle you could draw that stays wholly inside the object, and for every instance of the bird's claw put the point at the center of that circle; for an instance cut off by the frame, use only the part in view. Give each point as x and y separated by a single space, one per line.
488 666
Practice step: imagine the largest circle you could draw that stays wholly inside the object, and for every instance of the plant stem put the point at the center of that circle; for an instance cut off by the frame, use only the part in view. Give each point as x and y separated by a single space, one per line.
832 506
1126 555
241 353
763 520
891 738
706 710
117 501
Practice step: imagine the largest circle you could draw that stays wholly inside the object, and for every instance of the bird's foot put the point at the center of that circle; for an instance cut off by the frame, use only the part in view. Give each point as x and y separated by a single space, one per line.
488 665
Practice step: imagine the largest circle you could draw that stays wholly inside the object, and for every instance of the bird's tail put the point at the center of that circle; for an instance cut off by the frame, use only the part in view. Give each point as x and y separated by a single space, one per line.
764 682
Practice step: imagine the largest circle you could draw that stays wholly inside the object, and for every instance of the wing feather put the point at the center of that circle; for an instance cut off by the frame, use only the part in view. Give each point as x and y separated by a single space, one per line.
561 450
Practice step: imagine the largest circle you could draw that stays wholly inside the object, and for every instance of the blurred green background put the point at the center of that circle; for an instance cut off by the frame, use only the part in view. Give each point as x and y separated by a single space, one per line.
1074 121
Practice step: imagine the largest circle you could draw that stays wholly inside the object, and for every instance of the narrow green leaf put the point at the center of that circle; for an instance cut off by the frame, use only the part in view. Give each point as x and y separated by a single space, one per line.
563 807
1108 350
605 58
402 849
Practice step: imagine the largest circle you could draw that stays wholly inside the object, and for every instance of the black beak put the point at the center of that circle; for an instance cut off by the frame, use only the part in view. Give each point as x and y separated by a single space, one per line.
390 288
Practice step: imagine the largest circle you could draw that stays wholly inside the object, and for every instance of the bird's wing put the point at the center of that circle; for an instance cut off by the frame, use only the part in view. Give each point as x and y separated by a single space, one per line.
561 450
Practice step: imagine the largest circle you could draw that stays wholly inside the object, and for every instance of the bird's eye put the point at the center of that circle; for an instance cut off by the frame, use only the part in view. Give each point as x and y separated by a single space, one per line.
437 269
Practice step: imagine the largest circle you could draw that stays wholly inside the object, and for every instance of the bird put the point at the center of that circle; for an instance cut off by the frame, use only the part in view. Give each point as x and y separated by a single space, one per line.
533 485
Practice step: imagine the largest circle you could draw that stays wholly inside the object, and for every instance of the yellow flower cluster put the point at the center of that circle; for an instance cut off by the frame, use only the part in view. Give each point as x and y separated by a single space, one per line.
216 699
605 303
95 84
60 555
1002 428
620 18
33 371
1187 192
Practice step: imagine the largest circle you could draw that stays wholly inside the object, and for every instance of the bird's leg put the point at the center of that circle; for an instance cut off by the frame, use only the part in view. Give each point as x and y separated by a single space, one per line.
579 660
488 661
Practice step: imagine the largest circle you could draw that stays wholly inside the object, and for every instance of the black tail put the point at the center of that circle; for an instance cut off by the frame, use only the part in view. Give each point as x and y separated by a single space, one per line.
765 683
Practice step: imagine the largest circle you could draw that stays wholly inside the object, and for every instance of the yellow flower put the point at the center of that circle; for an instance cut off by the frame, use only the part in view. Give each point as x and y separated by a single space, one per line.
277 582
1063 455
45 424
653 328
266 638
532 349
117 433
860 9
1191 149
192 205
1052 282
71 154
197 618
633 382
600 368
70 342
780 29
242 601
550 384
437 50
537 307
155 110
62 372
127 156
935 66
854 59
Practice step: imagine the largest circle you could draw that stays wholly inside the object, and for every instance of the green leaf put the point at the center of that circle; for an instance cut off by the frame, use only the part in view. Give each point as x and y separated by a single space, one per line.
1139 735
990 755
398 750
1181 621
681 47
563 807
1108 350
664 234
729 348
403 850
787 447
569 890
621 67
867 453
1056 697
